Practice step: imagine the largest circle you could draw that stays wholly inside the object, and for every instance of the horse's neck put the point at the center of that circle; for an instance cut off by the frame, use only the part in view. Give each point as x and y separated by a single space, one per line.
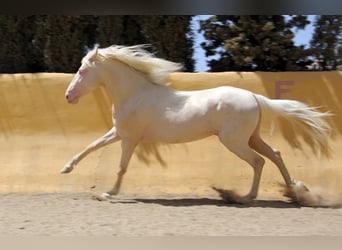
124 83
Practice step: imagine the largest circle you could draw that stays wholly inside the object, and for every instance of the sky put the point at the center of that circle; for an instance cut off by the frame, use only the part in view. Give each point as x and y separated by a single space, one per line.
302 37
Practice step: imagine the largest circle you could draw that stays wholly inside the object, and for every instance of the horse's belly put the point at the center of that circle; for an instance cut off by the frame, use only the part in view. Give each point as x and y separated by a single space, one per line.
179 133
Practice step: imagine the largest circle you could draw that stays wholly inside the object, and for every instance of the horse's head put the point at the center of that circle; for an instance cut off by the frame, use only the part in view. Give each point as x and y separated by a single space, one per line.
86 78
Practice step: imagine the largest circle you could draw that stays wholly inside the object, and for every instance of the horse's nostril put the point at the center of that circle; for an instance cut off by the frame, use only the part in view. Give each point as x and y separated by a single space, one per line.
67 97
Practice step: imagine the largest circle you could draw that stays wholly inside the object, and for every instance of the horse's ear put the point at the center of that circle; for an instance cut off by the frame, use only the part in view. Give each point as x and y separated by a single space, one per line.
94 55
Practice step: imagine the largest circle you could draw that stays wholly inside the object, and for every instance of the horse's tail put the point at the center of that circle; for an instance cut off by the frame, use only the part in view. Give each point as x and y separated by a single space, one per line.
302 120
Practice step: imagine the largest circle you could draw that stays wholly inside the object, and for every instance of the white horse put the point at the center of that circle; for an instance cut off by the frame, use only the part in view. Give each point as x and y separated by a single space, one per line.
145 110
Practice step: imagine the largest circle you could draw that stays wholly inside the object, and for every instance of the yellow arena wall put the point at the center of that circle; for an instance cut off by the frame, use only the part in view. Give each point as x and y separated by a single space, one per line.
40 132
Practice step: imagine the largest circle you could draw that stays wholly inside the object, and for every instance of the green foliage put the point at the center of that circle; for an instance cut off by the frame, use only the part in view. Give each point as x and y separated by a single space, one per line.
169 35
17 39
56 43
253 43
66 40
326 44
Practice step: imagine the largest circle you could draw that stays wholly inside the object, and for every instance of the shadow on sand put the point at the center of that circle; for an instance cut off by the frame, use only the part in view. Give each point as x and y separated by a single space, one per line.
228 198
189 202
186 202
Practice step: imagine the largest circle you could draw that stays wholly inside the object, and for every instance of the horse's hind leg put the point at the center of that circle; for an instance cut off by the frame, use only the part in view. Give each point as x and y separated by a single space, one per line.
110 137
296 190
239 146
273 154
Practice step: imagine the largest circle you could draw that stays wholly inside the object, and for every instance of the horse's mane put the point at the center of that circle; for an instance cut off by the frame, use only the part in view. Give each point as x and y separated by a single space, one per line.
137 57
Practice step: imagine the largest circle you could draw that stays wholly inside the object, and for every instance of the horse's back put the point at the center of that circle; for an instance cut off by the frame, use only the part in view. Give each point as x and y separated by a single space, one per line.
225 100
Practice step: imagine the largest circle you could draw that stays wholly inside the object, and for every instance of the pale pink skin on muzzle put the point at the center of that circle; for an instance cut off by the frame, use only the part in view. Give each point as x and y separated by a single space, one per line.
72 97
72 93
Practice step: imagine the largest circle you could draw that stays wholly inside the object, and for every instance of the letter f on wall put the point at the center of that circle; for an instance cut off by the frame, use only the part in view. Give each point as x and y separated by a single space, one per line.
282 87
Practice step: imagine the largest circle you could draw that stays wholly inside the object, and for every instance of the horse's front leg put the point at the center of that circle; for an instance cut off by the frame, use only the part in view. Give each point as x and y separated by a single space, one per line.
128 147
110 137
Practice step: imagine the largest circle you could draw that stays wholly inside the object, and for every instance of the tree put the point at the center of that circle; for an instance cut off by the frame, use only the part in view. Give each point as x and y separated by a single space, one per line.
252 43
169 35
172 37
326 43
56 43
67 39
20 49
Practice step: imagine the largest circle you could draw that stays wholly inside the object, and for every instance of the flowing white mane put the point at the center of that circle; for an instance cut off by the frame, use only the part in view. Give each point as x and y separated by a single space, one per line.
156 69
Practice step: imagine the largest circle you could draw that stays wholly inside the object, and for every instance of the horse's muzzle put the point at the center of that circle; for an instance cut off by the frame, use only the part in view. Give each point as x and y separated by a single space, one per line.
70 99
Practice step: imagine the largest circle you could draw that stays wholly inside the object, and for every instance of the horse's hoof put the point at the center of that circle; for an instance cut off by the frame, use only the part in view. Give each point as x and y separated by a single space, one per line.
298 192
66 169
103 197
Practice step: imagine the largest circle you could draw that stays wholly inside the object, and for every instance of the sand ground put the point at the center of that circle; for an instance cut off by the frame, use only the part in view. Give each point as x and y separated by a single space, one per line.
77 214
